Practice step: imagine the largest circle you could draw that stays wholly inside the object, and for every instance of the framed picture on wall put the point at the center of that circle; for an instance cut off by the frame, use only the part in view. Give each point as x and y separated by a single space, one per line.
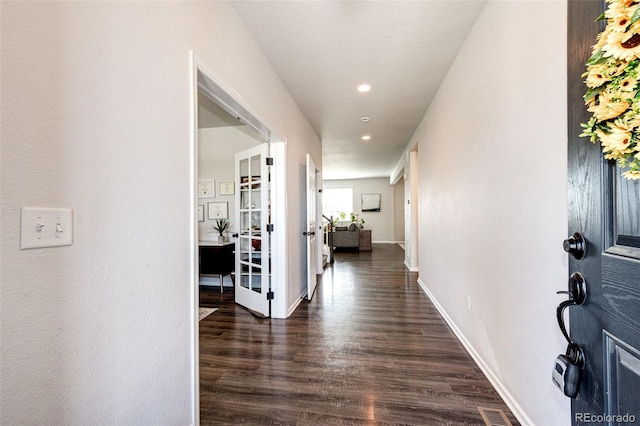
370 202
227 188
206 188
218 210
200 212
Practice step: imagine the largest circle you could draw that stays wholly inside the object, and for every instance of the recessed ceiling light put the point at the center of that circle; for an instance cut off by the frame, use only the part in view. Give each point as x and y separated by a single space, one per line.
365 119
366 137
364 88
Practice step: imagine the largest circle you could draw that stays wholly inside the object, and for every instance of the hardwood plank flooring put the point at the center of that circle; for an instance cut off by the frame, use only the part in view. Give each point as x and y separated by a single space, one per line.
369 349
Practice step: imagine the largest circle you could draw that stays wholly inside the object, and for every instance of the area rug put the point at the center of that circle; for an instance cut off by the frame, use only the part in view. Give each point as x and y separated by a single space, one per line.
205 312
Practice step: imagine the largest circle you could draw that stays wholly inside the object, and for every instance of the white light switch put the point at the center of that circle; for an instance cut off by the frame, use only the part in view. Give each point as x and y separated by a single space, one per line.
46 227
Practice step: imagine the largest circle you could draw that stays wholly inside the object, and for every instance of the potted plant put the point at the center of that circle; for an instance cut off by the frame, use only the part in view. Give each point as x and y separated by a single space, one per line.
220 226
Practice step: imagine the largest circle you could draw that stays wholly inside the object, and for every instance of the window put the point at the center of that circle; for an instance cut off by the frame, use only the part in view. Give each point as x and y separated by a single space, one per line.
336 201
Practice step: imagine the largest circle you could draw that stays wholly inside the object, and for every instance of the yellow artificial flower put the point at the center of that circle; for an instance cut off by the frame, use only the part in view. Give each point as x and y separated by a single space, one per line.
596 76
628 84
633 119
614 69
608 107
622 95
602 38
615 10
624 46
627 123
620 23
621 5
615 144
614 5
632 174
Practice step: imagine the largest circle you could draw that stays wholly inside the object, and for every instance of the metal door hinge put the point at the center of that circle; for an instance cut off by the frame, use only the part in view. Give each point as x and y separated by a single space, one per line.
270 227
269 295
269 161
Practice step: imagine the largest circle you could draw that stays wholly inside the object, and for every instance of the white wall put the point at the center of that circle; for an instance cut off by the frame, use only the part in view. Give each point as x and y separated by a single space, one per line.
493 209
96 116
380 223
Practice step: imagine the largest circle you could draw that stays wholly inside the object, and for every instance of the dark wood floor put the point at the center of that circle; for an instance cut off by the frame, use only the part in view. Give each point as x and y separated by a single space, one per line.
369 349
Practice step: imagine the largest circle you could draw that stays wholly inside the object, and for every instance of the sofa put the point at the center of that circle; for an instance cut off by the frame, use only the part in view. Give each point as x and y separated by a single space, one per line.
346 236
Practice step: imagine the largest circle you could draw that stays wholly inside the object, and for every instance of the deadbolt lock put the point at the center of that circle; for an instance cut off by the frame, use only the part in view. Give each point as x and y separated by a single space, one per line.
576 246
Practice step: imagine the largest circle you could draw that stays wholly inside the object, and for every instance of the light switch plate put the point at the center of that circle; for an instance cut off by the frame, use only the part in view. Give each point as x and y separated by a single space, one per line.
46 227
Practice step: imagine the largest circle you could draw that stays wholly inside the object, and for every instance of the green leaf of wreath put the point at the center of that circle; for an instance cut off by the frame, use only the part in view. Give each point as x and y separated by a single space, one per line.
636 16
600 18
597 57
591 93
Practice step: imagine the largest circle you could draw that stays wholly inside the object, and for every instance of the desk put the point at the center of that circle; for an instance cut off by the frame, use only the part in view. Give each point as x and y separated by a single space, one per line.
217 259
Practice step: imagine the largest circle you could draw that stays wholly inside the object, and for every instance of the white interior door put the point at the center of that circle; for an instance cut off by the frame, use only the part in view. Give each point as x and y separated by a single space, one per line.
253 244
319 223
312 228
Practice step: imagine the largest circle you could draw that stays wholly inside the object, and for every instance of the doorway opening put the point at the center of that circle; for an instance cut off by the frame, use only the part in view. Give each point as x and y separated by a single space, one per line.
222 127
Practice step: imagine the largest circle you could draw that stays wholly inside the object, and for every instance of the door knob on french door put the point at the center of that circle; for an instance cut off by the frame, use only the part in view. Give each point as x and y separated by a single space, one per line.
307 234
576 246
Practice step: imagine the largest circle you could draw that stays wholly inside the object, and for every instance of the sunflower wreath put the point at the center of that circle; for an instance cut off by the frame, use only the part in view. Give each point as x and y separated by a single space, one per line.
613 95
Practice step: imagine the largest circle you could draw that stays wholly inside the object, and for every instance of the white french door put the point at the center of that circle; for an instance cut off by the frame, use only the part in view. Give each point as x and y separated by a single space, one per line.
312 232
253 244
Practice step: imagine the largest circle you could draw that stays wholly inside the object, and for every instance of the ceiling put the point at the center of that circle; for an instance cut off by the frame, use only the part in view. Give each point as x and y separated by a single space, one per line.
323 50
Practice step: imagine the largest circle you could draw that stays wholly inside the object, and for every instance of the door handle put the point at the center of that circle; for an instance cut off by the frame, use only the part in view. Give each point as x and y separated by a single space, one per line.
235 235
577 296
575 245
307 234
567 369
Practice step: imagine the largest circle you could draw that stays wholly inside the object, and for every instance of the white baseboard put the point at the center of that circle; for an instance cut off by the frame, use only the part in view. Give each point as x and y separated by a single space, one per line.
511 402
296 304
414 269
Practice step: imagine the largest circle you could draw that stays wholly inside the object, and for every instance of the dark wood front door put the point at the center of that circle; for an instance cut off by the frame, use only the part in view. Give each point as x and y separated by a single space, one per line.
604 207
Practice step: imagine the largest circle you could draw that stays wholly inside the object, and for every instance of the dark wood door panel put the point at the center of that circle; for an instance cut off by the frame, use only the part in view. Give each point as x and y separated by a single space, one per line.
605 208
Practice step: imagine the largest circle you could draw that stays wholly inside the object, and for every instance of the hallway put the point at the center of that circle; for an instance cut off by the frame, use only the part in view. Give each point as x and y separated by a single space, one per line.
370 348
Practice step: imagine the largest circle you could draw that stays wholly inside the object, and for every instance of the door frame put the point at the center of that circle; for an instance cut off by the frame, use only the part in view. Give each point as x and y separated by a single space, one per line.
203 78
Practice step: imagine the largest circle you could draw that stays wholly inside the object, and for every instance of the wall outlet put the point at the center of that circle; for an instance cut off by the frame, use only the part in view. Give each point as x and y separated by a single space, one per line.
469 303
